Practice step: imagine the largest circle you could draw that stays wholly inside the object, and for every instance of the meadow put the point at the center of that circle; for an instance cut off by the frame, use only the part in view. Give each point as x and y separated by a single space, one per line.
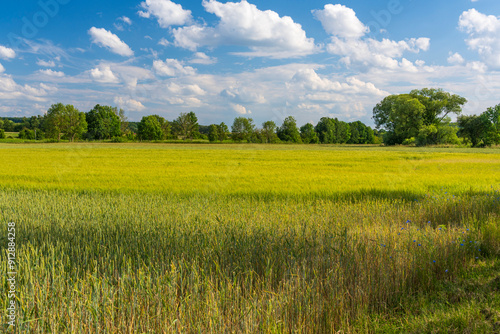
179 238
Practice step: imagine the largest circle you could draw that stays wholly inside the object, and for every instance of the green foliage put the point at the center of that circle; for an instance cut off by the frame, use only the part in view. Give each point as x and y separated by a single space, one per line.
222 131
476 129
308 134
2 133
437 135
213 133
103 123
186 126
268 133
493 114
288 131
150 128
405 115
242 129
438 104
26 134
360 134
401 115
64 120
333 131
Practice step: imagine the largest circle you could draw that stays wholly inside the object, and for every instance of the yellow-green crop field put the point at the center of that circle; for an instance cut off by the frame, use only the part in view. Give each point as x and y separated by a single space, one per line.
179 238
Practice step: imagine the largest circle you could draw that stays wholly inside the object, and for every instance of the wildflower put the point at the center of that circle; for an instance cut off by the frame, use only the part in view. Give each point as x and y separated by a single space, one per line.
414 240
446 271
429 222
461 244
420 244
434 261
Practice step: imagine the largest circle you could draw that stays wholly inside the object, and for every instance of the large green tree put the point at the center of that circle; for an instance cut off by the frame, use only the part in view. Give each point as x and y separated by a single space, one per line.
103 123
269 132
438 104
404 115
333 131
493 114
475 129
213 133
64 120
186 125
288 131
360 134
401 115
242 129
149 128
308 134
222 131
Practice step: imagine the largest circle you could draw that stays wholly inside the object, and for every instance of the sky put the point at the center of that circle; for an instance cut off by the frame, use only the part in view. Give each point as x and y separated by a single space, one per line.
263 59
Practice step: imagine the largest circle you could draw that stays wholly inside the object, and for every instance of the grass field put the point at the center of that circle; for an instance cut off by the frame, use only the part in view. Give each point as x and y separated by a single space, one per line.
153 238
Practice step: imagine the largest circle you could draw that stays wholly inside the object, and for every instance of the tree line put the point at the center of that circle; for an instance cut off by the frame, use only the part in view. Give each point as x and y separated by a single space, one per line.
421 117
108 123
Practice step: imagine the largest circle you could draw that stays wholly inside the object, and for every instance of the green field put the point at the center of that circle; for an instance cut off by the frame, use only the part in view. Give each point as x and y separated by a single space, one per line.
178 238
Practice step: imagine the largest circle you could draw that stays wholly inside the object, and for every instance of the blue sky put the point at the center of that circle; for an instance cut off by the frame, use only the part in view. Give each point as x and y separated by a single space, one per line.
260 59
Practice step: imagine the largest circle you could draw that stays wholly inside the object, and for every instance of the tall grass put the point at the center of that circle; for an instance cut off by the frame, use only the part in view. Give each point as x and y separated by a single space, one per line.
93 262
234 261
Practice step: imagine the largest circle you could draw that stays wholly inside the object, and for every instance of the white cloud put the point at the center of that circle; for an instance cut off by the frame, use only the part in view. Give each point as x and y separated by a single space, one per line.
172 68
240 109
45 63
107 39
164 42
202 58
243 24
2 69
341 21
484 35
310 80
166 12
51 73
455 59
104 74
128 104
356 51
126 20
6 53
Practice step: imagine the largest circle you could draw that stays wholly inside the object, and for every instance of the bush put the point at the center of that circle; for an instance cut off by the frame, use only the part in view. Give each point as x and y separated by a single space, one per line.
409 141
119 140
2 134
26 134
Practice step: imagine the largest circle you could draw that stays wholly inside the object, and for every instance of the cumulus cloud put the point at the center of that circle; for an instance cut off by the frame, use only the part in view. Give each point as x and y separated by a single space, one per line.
45 63
349 42
2 69
243 24
172 68
104 74
51 73
7 53
341 21
203 59
107 39
484 35
122 21
455 59
310 80
166 12
240 109
128 103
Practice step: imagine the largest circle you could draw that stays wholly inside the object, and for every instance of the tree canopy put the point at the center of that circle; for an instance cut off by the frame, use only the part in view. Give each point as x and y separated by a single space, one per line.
404 115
